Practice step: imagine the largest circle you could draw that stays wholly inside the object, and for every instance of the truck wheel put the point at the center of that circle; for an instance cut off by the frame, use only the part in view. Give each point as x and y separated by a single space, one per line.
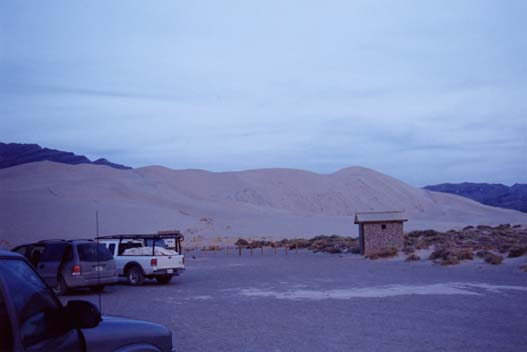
61 287
135 276
163 279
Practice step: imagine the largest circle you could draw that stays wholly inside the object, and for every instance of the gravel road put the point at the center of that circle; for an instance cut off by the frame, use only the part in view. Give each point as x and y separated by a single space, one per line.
319 302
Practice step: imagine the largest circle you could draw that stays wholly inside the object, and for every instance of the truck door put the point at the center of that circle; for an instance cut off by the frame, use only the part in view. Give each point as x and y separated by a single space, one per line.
50 261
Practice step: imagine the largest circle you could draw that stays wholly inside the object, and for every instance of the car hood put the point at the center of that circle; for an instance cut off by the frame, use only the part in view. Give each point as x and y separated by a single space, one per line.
114 333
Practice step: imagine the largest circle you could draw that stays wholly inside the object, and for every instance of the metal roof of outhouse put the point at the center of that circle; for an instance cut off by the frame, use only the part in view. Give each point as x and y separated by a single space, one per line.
380 216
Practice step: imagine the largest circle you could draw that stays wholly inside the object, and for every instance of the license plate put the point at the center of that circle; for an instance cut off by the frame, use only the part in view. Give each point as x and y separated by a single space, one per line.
98 268
170 271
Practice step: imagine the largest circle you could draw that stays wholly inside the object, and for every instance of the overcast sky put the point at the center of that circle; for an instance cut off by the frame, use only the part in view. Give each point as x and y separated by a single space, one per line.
424 91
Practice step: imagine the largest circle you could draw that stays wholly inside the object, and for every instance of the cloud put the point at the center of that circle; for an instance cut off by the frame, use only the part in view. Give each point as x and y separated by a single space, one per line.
425 92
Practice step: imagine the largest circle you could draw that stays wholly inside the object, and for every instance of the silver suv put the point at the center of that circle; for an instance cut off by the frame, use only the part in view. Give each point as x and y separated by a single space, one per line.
71 264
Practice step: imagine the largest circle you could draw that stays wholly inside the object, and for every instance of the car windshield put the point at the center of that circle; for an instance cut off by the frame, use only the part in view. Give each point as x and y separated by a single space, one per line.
93 252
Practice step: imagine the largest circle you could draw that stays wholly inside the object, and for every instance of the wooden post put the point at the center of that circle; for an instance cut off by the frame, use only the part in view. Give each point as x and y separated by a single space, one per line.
251 250
286 249
274 247
261 250
240 250
296 247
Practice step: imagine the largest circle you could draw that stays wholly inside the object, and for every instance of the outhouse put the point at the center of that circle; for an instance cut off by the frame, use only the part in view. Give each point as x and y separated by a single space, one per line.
380 230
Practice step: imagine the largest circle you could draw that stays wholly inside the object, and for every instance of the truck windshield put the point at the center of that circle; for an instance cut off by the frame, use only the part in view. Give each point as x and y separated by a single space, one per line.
92 252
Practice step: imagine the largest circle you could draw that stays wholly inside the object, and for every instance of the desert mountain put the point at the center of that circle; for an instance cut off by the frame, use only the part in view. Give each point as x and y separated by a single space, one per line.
48 199
12 154
493 194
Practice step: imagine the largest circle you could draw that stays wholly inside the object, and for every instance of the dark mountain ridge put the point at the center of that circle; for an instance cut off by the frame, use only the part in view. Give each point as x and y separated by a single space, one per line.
12 154
494 194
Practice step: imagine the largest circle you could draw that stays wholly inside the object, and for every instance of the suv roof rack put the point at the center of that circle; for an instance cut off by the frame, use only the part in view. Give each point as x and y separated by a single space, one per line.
52 240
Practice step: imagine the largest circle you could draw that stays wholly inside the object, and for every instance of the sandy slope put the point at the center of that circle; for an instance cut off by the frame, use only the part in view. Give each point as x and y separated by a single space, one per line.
45 199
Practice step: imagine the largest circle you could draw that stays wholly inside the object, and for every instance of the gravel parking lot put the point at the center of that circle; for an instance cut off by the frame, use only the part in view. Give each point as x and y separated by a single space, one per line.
316 302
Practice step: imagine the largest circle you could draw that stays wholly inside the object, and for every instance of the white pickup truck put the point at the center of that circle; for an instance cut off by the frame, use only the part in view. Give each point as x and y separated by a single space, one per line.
146 256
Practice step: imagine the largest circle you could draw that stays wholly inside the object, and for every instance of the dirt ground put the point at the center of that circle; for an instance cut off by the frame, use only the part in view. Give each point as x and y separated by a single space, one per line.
322 302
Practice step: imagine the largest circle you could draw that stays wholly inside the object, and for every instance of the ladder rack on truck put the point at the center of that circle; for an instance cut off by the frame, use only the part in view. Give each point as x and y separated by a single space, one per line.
176 236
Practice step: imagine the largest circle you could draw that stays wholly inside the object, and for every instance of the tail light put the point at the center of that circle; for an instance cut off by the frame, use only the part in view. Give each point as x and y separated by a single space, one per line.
153 262
76 270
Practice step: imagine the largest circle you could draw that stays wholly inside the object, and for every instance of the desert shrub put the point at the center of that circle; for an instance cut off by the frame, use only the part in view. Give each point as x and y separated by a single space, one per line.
523 267
465 255
301 243
517 252
422 244
438 254
412 257
408 250
241 242
385 253
493 259
450 260
451 256
468 228
332 250
283 242
504 248
483 254
355 250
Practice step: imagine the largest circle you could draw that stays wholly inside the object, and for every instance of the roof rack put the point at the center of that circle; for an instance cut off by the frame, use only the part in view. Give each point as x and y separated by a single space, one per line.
156 236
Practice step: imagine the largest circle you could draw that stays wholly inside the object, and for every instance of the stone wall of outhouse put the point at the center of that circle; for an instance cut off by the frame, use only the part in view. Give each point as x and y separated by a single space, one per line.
375 238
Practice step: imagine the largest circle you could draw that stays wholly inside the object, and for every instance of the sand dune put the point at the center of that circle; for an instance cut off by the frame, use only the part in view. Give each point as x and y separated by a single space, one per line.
47 199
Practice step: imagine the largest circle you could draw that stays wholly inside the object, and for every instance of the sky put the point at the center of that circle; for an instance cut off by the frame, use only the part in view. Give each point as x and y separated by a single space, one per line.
425 91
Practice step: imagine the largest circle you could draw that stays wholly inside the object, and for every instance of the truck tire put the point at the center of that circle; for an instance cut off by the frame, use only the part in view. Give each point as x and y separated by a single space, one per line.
163 279
61 287
135 276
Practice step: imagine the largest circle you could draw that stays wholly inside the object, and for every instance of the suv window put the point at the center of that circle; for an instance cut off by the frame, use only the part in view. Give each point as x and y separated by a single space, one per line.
92 252
53 252
32 300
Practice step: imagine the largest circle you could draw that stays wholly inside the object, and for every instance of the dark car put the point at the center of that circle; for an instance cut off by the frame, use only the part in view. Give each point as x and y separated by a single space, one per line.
33 319
71 264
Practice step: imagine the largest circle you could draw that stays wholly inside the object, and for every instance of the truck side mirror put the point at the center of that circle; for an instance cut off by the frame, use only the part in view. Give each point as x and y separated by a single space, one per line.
82 314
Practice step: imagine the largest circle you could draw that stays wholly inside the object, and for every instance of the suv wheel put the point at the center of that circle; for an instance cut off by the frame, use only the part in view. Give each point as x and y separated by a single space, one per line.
61 286
135 276
163 279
